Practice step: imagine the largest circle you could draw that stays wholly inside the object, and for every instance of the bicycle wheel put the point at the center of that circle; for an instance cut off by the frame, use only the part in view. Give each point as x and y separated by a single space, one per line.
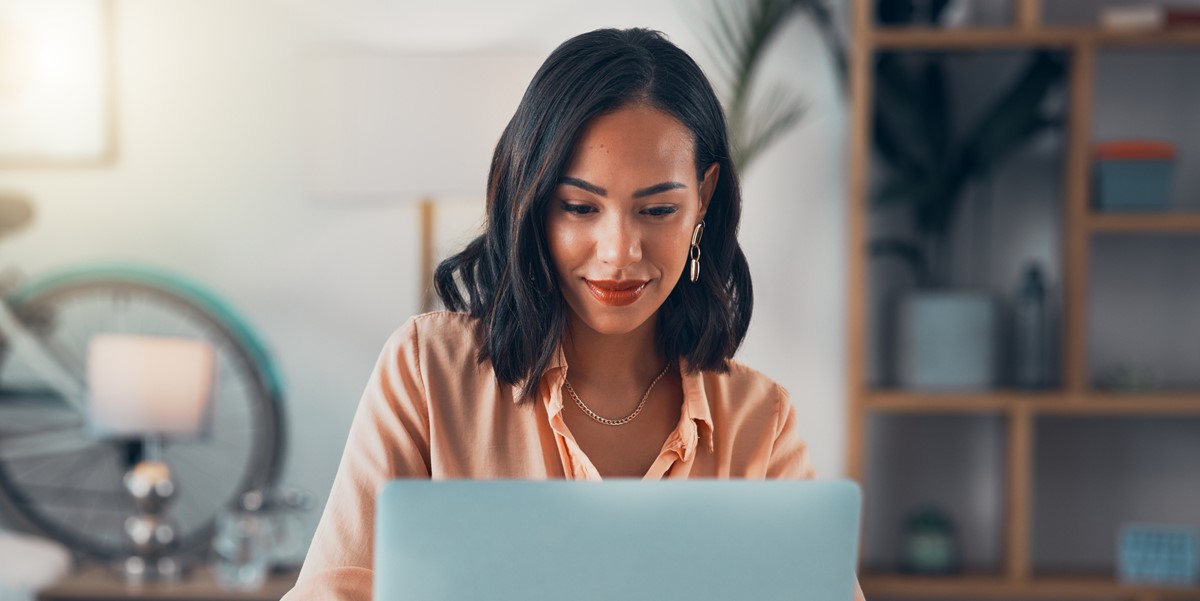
59 480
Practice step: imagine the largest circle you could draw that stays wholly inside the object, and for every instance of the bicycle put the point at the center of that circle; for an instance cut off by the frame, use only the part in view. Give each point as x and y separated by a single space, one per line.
58 480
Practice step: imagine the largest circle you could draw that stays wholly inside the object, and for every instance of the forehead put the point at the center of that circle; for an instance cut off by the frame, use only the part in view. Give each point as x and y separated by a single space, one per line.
636 137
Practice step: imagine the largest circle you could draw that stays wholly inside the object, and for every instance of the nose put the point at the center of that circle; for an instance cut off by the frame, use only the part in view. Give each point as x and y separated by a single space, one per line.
619 242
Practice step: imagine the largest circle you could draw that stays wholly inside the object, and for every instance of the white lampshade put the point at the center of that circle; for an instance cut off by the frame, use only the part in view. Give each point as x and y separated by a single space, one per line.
388 127
148 385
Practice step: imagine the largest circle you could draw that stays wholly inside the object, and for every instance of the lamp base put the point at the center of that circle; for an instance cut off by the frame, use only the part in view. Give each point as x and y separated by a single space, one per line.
149 532
136 569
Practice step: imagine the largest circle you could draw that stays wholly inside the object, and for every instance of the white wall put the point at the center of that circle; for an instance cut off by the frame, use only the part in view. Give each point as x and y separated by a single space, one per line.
209 182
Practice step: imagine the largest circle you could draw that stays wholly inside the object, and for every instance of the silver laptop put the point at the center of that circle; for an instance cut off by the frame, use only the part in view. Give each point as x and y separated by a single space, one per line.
628 540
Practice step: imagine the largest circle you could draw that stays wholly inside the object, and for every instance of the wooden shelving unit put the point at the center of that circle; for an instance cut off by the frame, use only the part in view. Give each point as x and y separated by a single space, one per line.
1083 586
1018 579
1065 38
1036 404
1186 223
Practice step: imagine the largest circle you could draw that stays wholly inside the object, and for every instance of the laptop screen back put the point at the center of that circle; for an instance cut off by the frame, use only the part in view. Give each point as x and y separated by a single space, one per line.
698 540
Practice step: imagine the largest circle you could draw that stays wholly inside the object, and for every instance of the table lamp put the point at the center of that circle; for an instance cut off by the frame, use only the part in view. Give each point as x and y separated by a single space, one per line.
386 129
149 388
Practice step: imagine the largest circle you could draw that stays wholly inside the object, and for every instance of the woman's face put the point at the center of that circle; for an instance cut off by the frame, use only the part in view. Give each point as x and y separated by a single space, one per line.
621 219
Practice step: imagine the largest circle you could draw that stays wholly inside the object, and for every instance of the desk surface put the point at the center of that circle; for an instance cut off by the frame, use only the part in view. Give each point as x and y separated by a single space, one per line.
96 583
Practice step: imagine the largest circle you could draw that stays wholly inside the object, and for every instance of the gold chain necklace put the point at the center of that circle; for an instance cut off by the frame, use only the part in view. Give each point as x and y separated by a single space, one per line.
623 420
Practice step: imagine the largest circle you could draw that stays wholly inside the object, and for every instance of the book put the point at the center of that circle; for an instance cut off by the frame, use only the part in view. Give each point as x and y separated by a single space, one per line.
1144 17
1148 17
1182 17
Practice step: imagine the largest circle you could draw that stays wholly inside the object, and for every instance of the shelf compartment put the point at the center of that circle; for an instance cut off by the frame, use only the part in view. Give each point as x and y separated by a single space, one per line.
974 586
1144 223
896 401
990 38
1144 94
972 38
1093 474
971 585
1143 325
953 462
1038 403
1001 225
1130 404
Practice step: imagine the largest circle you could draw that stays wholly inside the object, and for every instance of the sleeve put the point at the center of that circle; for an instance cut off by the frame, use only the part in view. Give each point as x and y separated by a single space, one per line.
389 438
789 454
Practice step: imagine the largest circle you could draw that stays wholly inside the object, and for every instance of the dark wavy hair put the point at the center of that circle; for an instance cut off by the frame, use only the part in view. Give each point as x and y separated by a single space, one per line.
506 276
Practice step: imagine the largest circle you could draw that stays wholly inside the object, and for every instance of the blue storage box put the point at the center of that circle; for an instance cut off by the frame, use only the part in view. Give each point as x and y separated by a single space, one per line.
1133 175
1158 555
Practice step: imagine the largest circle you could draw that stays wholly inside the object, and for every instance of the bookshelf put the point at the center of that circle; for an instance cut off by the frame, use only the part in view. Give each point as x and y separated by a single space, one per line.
1014 575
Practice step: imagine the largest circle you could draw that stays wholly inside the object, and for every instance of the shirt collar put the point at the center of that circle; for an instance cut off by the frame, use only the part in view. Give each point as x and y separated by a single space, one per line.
696 413
552 377
695 402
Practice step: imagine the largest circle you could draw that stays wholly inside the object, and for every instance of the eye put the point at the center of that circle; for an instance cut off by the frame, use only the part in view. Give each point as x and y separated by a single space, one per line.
660 211
577 209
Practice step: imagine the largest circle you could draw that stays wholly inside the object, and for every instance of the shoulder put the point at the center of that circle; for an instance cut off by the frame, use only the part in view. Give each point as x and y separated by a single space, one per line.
445 339
745 390
444 324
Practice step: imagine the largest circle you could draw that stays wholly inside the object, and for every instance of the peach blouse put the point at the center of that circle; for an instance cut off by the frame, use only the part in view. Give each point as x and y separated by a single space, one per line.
431 411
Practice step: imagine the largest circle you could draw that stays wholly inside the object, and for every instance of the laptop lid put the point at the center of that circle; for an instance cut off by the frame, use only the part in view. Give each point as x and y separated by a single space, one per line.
698 540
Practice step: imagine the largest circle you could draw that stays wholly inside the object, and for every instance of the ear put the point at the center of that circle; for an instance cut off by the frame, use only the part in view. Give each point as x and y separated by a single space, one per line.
708 185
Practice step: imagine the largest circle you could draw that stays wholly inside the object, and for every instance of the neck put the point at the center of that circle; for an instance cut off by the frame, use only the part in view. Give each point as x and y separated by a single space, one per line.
622 359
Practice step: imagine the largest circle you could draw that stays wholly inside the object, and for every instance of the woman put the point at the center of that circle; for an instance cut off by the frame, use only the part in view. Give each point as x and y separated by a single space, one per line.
593 322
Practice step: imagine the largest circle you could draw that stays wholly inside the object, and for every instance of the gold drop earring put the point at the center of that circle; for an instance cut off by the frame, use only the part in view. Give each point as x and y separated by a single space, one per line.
695 251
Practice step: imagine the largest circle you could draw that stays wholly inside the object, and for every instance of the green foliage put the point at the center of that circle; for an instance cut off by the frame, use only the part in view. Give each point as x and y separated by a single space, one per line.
739 37
929 165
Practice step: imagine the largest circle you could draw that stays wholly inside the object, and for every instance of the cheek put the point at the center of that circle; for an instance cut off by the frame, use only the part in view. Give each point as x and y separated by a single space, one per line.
564 243
672 246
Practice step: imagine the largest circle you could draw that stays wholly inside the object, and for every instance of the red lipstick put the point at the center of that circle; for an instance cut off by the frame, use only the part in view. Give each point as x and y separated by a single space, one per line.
616 293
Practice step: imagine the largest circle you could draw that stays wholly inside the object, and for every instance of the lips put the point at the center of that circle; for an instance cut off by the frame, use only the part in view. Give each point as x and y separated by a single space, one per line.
616 293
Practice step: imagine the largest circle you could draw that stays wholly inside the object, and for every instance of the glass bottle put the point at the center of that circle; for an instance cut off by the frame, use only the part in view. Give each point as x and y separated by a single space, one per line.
1030 331
241 545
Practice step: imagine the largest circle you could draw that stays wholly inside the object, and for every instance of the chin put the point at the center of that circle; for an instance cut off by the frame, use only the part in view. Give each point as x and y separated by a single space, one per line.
611 325
612 321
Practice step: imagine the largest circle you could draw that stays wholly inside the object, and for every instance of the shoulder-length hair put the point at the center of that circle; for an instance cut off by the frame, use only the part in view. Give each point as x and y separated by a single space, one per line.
506 276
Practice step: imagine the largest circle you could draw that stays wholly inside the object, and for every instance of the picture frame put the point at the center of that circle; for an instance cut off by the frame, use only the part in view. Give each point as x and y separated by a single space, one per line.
57 90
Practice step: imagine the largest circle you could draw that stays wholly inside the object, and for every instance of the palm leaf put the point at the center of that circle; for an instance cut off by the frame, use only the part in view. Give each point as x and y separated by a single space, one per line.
900 120
1014 117
822 17
742 38
740 35
776 113
906 250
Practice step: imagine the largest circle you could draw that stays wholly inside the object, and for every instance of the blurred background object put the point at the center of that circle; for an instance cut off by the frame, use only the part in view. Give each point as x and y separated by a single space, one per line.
1024 246
63 456
15 212
361 151
738 37
156 390
56 83
1159 555
259 534
930 544
30 564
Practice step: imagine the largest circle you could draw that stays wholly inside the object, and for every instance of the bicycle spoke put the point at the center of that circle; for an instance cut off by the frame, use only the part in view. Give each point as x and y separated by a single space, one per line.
54 441
199 471
71 496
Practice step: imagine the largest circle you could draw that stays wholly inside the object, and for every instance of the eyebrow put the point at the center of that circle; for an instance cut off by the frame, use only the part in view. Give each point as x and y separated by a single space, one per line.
598 191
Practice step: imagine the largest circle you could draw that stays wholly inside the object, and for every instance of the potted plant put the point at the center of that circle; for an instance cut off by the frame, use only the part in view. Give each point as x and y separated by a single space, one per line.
946 335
